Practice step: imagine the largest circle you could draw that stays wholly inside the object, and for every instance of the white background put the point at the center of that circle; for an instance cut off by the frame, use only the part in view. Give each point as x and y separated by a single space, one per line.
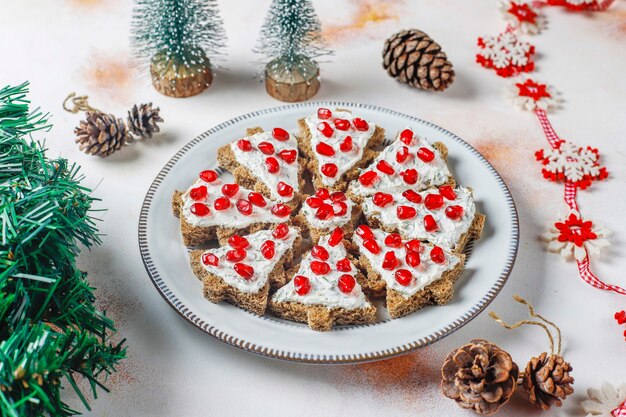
175 370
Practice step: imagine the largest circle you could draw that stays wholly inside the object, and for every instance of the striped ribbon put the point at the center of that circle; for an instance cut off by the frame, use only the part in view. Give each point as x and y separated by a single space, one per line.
620 411
570 195
591 279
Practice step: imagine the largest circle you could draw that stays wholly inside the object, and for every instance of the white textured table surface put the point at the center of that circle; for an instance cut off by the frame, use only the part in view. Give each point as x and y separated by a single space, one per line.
174 369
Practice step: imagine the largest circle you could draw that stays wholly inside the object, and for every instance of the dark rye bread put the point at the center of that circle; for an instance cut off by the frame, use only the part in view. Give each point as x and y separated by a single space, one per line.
315 234
246 178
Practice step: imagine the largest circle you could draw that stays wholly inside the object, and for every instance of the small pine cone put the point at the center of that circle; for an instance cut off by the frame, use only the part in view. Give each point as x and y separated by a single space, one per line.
479 376
101 134
143 119
414 58
547 380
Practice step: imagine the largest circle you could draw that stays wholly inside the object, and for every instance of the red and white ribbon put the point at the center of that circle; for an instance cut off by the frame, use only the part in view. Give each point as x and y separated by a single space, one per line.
549 131
591 279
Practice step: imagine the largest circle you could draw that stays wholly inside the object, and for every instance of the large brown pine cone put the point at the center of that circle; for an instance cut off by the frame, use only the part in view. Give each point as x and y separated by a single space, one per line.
143 119
479 376
413 58
547 380
101 134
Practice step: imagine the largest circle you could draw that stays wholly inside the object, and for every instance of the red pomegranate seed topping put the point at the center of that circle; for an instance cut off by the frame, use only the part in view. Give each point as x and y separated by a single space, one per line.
288 155
281 210
329 170
454 212
244 145
199 209
268 249
257 199
425 154
335 237
412 196
324 212
346 144
372 246
244 207
320 268
341 124
409 176
324 149
338 196
346 283
344 265
385 168
405 212
301 284
210 259
280 231
390 262
266 147
325 129
403 277
221 203
314 202
412 259
322 193
402 155
433 201
245 271
406 136
198 193
393 240
272 165
229 190
382 199
437 255
364 232
413 245
238 242
360 124
280 134
447 191
368 178
236 255
430 224
339 208
208 175
319 252
284 189
324 113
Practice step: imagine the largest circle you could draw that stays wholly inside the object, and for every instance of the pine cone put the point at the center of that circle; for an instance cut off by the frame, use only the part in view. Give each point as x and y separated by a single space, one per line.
101 134
413 58
547 380
479 376
143 119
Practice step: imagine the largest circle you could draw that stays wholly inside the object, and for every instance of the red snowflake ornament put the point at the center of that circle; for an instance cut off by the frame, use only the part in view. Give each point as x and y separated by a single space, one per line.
522 15
570 163
531 95
574 237
505 54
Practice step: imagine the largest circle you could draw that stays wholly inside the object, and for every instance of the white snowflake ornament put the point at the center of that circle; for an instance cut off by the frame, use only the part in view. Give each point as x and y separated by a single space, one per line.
505 54
531 95
604 401
574 237
571 163
522 15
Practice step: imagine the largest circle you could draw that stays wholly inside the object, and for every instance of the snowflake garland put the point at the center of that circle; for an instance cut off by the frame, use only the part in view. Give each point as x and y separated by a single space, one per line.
522 15
574 237
604 402
505 54
531 95
571 163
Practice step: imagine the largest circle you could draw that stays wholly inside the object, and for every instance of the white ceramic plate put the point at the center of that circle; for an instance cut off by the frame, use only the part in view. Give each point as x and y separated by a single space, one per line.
166 259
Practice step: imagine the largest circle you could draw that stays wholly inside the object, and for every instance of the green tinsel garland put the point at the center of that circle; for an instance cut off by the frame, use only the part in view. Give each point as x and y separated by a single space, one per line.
50 331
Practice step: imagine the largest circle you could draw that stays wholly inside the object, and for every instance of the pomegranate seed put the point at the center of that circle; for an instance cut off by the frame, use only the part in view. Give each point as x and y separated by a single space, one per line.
238 242
390 262
338 196
409 176
437 255
406 136
221 203
412 259
346 283
335 237
229 190
324 212
433 201
425 154
198 193
346 144
280 134
368 178
319 252
412 196
430 224
281 210
271 164
454 212
236 255
266 147
324 149
403 277
413 245
360 124
245 271
288 155
244 207
405 212
339 208
324 113
372 246
364 232
244 145
341 124
393 240
301 284
382 199
210 259
320 268
257 199
268 249
284 189
314 202
385 168
199 209
325 129
208 175
323 193
402 155
329 170
280 231
447 191
344 265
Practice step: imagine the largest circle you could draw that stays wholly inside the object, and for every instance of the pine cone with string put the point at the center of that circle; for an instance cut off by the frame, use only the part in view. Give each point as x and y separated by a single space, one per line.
547 380
479 376
414 58
101 134
143 119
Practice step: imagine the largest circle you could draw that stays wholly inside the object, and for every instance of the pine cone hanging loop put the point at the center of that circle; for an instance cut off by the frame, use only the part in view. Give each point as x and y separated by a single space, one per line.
143 120
414 58
479 376
547 380
101 134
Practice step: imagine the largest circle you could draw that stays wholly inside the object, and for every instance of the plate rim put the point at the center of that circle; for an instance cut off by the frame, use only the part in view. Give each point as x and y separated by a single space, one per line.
189 316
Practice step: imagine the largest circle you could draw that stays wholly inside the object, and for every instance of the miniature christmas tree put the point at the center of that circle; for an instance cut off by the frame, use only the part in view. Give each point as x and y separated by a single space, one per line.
291 38
177 38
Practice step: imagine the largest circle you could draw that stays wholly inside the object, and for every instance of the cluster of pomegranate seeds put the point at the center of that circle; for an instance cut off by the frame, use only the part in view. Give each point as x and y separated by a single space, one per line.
346 283
344 265
412 196
382 199
257 199
198 193
200 209
360 124
328 205
425 154
210 259
320 252
284 189
430 224
320 267
406 136
437 255
368 178
402 154
280 231
268 249
208 175
403 277
301 284
245 271
409 176
346 144
406 212
454 212
335 237
433 201
280 134
384 167
244 145
325 129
